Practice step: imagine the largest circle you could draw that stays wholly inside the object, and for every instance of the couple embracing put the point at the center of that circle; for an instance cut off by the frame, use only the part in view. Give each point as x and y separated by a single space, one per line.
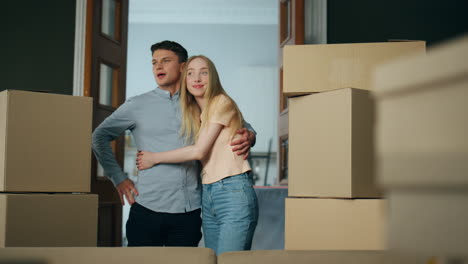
187 130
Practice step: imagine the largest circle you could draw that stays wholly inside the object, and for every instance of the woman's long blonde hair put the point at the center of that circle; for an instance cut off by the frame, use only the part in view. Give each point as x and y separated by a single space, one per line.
191 124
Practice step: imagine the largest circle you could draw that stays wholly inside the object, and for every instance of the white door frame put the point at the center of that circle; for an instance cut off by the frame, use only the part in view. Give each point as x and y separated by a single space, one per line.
79 54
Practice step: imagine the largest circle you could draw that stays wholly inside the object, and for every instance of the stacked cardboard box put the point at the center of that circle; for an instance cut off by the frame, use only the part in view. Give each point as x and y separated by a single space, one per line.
326 67
334 202
105 255
45 158
422 149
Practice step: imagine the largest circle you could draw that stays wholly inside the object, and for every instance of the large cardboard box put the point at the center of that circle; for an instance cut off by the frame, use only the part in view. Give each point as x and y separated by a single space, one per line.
422 109
319 257
48 220
335 224
101 255
428 222
331 145
324 67
45 142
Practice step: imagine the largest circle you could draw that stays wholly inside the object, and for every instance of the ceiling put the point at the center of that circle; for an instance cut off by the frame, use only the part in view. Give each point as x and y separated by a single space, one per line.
248 12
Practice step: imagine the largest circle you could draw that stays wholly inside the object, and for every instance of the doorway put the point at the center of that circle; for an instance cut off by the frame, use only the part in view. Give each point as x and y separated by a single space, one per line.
241 37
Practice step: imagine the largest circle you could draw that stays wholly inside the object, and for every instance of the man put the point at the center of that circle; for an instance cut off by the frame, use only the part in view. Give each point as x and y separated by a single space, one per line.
166 199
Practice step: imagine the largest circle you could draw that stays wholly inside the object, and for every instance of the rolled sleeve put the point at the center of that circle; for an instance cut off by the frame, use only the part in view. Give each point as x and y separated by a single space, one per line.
111 128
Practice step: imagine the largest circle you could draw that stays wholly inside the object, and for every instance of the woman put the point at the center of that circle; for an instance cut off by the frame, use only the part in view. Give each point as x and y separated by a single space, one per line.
210 118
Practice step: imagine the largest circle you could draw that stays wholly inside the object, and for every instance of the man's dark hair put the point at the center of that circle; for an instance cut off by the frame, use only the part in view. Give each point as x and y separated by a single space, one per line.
172 46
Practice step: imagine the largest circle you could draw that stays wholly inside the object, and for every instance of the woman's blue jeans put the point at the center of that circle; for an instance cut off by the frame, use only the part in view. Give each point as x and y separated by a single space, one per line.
229 214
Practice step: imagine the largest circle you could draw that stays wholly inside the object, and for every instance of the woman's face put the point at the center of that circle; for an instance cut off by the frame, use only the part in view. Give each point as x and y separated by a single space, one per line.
197 77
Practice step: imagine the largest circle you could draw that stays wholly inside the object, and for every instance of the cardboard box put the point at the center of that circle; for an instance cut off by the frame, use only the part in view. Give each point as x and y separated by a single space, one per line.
428 222
319 257
335 224
48 220
325 67
45 142
101 255
331 145
422 128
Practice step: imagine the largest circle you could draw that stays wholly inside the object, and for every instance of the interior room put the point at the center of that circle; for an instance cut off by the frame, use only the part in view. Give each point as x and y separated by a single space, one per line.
356 110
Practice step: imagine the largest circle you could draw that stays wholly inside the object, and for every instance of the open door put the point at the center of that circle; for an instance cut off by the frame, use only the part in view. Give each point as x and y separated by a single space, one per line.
105 77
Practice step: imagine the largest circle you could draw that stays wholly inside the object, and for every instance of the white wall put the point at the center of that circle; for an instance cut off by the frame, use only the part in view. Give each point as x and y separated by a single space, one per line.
245 56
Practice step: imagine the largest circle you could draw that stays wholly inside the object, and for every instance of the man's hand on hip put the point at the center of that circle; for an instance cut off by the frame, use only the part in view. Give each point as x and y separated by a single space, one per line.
127 189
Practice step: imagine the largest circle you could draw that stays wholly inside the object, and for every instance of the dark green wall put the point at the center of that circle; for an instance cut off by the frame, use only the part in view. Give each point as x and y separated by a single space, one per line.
37 45
379 20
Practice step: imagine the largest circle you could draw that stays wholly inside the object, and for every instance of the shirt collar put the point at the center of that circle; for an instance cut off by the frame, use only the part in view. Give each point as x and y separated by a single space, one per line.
166 94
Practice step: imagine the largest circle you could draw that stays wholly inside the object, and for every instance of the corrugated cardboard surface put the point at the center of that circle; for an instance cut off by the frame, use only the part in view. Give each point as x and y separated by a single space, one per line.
318 68
335 224
48 143
429 221
45 220
331 145
319 257
116 255
422 128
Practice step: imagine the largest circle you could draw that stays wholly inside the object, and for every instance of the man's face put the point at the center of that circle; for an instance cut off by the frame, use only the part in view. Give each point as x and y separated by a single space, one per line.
166 68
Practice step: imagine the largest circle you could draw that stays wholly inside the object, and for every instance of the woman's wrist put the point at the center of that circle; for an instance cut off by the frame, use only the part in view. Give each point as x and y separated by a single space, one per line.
155 158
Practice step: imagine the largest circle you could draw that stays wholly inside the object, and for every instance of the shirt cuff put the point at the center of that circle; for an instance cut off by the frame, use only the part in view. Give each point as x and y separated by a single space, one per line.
116 179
